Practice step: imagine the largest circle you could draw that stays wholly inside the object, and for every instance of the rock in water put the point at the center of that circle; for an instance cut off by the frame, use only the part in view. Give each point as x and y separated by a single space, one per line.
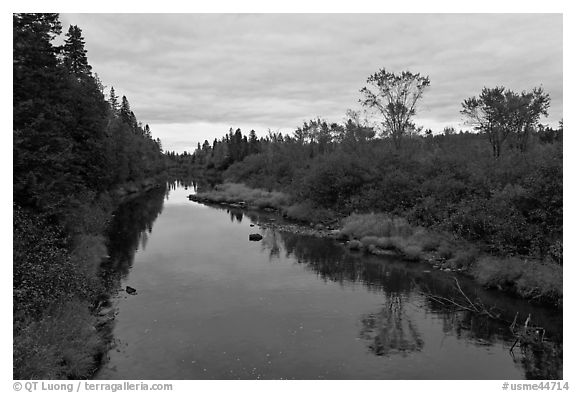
255 237
354 245
130 290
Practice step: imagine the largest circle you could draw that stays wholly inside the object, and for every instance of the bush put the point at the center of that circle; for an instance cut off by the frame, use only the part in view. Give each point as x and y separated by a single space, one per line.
380 225
412 252
44 274
307 212
428 241
88 252
61 345
332 180
463 259
445 250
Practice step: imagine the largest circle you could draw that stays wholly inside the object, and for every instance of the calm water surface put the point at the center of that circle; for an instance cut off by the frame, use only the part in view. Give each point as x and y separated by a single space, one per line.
213 305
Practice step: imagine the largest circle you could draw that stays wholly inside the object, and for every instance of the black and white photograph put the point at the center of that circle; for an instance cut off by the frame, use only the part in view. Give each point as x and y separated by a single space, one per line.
287 196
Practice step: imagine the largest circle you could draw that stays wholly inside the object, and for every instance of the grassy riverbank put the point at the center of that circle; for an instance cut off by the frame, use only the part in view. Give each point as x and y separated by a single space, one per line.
528 278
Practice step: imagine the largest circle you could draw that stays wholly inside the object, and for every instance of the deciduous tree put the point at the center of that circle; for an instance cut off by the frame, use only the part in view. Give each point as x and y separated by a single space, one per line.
394 98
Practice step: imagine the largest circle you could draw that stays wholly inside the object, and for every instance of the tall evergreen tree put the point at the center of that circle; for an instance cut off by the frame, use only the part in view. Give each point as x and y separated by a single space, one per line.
75 58
125 112
113 101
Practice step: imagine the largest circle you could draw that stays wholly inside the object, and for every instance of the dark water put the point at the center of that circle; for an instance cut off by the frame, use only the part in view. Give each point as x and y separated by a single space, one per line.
212 305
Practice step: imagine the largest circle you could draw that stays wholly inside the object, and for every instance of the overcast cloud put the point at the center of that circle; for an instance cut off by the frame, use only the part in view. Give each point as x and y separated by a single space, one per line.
193 76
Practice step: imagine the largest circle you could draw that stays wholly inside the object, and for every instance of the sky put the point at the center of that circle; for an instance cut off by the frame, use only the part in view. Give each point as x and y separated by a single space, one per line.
193 76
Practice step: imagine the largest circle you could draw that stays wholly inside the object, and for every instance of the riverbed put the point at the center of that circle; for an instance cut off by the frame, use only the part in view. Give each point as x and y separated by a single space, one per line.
210 304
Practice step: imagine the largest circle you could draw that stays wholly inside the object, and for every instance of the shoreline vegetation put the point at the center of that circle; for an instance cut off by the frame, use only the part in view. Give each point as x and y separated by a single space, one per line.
381 234
65 288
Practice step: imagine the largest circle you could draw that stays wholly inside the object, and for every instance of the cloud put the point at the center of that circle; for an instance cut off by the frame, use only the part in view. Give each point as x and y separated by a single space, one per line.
276 70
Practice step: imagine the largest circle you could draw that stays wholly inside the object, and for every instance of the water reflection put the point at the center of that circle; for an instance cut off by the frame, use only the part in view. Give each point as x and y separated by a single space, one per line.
391 330
396 327
187 184
129 231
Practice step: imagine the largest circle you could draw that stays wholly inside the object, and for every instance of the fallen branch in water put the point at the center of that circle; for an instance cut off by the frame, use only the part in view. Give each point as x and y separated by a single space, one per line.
525 335
466 304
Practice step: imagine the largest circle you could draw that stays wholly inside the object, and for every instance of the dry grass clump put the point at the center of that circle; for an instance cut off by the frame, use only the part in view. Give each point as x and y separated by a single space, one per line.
529 279
378 231
236 192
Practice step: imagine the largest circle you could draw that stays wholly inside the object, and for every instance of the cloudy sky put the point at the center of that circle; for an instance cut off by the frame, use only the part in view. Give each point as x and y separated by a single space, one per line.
193 76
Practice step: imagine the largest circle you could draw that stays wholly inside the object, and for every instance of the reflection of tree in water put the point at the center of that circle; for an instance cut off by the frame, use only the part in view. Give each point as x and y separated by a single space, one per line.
235 215
466 325
388 331
129 229
391 331
334 263
187 184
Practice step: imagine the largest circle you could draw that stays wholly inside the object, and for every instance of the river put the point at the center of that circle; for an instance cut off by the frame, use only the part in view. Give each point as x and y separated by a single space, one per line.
212 305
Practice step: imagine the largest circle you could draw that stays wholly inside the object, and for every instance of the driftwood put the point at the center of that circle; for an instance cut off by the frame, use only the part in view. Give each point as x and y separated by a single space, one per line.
525 334
465 303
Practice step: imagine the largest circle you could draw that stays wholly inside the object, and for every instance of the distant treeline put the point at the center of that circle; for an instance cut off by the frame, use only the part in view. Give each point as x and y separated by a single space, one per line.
71 147
499 187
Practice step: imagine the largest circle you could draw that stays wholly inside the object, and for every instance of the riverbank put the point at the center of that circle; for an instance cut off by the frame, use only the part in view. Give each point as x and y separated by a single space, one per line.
62 312
379 234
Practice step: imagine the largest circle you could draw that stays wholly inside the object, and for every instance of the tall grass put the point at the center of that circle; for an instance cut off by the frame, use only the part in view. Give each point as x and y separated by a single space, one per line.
235 192
527 278
62 344
387 233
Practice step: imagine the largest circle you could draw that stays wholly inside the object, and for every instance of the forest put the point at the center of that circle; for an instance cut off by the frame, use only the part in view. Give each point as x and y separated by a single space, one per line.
72 150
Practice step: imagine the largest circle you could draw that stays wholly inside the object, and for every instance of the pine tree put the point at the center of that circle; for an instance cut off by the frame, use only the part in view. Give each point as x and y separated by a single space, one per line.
99 83
113 100
125 112
75 58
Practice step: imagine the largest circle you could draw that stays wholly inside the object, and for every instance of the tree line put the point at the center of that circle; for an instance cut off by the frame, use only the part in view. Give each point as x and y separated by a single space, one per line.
499 185
71 148
68 138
